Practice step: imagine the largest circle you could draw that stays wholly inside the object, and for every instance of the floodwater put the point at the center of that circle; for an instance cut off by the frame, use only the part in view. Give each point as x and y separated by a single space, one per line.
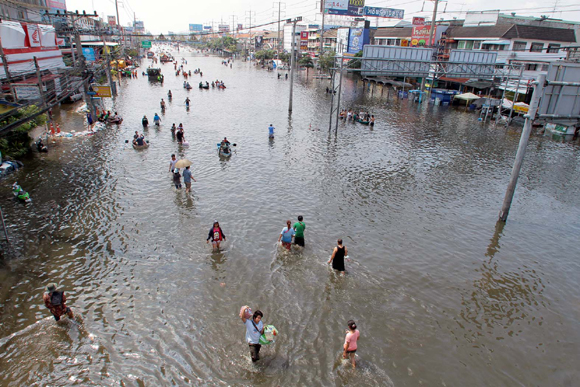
441 294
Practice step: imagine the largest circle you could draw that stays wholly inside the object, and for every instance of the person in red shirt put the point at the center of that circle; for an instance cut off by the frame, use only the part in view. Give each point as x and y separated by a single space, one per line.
55 302
216 235
350 342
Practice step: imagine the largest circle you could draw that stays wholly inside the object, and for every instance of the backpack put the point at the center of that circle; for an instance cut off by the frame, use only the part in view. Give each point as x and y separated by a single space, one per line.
56 298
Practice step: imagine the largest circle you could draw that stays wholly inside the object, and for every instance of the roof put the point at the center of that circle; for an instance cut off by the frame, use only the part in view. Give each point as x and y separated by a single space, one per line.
394 32
541 33
330 34
514 31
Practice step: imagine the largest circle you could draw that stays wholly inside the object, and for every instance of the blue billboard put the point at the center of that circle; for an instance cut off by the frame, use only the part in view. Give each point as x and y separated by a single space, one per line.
357 39
195 27
89 54
384 12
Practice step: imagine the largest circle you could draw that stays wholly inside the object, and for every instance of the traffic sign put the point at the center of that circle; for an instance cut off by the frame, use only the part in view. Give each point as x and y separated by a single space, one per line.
146 44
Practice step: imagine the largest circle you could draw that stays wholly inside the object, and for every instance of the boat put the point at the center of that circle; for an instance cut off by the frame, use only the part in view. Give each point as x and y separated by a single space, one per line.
224 152
362 122
115 121
20 194
155 74
201 86
140 147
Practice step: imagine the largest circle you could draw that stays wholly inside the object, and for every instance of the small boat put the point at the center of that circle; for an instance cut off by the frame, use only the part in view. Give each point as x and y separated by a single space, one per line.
362 122
140 147
20 194
117 121
224 152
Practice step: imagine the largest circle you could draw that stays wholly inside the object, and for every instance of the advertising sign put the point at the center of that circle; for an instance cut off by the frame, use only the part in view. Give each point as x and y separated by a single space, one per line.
207 27
342 35
139 26
223 28
146 44
89 54
195 27
57 4
345 7
304 41
420 35
259 41
102 91
384 12
27 92
240 26
418 21
33 35
112 20
358 37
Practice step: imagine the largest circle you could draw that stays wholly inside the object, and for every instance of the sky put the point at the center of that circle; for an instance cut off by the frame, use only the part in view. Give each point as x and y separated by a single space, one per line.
162 16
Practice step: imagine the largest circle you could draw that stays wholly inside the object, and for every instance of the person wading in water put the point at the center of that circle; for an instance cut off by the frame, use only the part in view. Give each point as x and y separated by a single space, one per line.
55 302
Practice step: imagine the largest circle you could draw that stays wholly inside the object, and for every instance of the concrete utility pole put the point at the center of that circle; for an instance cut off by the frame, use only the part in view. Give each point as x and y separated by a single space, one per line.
83 68
292 57
278 39
39 82
430 44
515 98
108 60
7 71
503 94
509 195
321 50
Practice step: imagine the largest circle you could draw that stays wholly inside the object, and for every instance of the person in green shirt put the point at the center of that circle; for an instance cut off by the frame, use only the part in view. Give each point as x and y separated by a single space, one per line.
299 228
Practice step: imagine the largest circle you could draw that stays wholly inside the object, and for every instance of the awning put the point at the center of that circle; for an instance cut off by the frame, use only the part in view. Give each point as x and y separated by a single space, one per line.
96 43
456 80
501 42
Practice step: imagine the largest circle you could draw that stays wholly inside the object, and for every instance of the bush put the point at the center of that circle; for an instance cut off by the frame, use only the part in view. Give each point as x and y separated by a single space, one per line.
16 142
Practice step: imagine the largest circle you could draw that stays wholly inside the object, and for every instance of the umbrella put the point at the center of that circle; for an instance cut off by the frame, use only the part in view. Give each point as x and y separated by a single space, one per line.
467 96
183 163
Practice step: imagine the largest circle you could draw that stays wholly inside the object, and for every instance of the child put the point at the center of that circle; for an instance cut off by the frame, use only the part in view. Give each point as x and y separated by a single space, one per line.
352 335
177 178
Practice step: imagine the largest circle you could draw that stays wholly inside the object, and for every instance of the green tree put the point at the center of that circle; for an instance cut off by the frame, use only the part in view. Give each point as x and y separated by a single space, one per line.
356 63
326 61
306 61
284 57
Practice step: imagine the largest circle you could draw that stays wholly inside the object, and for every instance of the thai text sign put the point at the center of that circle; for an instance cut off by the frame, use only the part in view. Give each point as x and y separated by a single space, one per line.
112 20
357 39
345 7
146 44
384 12
102 91
418 21
420 35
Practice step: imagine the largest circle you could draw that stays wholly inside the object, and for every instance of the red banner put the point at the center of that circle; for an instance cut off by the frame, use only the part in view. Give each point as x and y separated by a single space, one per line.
418 21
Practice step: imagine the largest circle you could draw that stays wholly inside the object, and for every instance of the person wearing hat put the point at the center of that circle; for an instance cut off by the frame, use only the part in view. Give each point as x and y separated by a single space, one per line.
55 302
216 235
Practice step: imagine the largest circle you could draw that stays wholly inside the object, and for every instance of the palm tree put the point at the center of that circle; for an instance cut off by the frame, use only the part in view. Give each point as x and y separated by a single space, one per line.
306 61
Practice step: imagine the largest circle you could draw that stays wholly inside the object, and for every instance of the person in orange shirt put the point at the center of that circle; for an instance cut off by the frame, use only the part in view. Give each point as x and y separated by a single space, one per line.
55 301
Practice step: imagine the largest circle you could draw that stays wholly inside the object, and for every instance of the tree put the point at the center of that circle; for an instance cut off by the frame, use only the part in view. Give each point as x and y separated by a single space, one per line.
284 57
326 61
356 63
306 61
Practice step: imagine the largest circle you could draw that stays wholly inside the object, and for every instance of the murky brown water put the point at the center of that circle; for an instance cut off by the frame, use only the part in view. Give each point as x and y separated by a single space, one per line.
441 295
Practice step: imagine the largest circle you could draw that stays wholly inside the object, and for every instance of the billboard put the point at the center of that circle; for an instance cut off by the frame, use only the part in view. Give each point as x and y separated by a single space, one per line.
358 37
342 35
304 41
259 42
384 12
139 26
240 26
112 20
195 27
57 5
418 21
207 27
345 7
102 91
223 28
89 54
420 35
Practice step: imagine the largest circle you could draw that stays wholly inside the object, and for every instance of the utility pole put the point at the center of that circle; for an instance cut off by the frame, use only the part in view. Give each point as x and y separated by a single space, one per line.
7 71
509 195
430 44
119 24
514 100
278 38
108 60
323 9
503 94
39 82
292 57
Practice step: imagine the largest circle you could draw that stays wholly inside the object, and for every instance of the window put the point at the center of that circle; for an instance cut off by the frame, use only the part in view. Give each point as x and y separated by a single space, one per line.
465 45
519 46
531 67
537 47
545 67
461 45
553 48
476 45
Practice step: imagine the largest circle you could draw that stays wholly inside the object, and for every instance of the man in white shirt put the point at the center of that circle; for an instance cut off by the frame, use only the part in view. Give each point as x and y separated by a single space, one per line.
254 329
172 163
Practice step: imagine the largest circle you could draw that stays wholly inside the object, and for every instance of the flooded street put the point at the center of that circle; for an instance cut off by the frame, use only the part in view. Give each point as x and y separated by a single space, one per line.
441 295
